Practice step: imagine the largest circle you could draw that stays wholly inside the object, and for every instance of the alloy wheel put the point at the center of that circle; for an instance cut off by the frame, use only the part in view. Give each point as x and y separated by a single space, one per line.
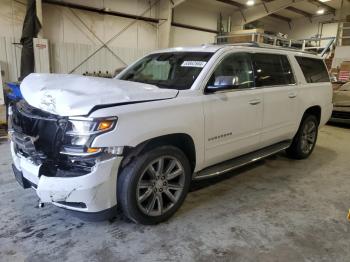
160 186
308 137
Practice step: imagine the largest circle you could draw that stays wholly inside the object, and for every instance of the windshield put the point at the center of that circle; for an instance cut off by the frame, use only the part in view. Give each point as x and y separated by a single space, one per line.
176 70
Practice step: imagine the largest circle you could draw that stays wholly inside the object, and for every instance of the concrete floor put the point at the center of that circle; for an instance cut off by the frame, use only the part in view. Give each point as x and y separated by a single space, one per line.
275 210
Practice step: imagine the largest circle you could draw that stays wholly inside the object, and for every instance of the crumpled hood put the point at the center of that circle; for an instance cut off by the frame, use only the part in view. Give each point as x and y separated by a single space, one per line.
341 98
73 95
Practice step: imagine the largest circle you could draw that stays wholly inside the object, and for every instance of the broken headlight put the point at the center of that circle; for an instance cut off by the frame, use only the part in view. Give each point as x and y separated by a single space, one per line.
81 132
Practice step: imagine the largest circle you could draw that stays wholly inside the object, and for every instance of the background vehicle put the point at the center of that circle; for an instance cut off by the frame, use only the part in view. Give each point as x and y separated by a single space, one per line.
173 116
341 102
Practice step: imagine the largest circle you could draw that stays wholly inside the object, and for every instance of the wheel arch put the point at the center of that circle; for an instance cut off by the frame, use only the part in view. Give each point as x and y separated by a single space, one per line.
314 110
182 141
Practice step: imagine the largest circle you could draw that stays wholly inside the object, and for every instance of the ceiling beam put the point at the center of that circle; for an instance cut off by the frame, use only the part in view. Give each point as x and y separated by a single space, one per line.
233 3
100 11
318 3
280 17
295 10
299 11
197 28
242 6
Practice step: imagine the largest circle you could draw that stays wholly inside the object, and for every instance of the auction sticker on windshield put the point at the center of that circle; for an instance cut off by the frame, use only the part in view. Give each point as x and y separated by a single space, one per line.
200 64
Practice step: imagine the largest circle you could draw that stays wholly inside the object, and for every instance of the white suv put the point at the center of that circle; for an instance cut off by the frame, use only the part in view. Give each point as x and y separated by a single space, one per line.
88 144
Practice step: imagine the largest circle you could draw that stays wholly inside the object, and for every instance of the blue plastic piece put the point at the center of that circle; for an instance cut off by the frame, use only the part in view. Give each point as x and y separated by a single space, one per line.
15 93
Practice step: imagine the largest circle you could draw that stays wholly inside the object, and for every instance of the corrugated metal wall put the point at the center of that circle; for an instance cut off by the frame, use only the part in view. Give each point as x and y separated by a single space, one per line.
66 56
10 58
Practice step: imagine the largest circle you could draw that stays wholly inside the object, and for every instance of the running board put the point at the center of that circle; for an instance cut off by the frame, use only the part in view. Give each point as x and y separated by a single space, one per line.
235 163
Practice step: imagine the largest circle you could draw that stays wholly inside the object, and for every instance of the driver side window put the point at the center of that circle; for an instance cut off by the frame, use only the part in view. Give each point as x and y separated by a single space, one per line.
234 72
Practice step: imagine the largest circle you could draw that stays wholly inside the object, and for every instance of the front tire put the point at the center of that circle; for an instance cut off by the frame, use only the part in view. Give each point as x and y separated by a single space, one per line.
305 140
154 185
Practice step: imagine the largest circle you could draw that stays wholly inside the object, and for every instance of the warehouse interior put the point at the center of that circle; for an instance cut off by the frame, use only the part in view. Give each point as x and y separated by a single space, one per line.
276 209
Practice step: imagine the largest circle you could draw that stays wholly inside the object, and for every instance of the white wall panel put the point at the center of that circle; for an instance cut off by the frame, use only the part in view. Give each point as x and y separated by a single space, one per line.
192 13
11 18
302 28
66 56
342 53
10 57
187 37
62 25
72 42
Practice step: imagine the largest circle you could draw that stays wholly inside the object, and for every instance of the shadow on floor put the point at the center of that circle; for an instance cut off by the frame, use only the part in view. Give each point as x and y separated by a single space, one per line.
197 185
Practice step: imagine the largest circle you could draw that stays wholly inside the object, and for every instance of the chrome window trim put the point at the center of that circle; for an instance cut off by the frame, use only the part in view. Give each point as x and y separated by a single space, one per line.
251 88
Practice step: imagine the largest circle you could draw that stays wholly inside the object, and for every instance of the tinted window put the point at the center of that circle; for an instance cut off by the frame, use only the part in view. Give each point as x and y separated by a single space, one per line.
314 70
176 70
272 70
235 70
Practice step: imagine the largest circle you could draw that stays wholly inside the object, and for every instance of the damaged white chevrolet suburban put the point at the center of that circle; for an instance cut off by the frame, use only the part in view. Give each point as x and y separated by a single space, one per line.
89 144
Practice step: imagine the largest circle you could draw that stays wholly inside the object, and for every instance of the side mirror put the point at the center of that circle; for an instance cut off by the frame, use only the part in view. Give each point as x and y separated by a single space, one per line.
224 83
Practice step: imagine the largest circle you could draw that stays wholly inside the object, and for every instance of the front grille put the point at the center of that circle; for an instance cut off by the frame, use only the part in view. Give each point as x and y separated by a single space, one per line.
341 115
40 136
45 130
26 118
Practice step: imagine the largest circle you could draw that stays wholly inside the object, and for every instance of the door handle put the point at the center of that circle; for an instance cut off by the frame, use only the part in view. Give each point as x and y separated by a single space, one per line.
292 95
255 102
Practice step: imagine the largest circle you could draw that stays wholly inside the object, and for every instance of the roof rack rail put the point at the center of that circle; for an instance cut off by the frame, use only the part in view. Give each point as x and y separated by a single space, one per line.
252 44
309 46
267 46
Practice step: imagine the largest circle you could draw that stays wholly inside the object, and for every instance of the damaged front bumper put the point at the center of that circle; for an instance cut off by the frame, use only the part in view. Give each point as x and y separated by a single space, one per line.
92 193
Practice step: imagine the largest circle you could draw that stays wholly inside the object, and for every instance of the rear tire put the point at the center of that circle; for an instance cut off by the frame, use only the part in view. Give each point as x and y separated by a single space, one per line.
305 140
154 185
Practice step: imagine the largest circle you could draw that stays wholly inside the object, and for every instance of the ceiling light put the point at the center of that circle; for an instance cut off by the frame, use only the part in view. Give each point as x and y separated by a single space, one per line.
320 11
250 2
324 1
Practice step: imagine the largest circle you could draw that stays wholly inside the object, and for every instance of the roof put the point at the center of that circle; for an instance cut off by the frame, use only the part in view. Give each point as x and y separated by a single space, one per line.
201 48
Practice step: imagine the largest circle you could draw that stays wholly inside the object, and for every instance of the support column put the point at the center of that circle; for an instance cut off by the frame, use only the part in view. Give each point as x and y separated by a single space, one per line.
39 14
166 8
165 12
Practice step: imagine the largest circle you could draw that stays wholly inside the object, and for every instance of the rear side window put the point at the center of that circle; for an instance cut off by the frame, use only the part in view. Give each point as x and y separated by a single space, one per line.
272 69
313 69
